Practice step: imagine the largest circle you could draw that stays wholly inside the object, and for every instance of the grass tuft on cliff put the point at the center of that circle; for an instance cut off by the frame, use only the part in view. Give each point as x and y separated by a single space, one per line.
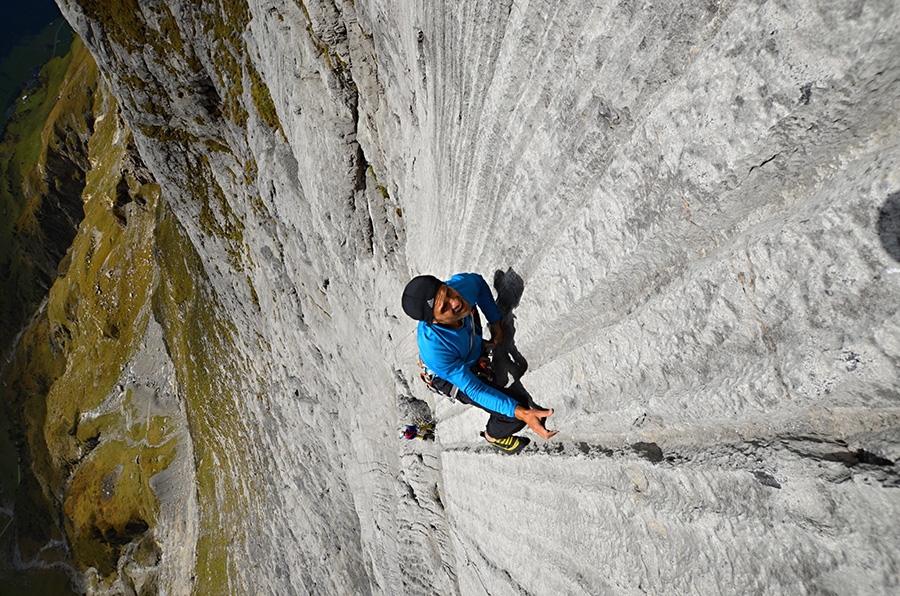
201 346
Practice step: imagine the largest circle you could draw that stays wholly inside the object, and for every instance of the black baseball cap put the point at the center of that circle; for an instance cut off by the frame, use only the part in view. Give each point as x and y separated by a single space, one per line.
418 297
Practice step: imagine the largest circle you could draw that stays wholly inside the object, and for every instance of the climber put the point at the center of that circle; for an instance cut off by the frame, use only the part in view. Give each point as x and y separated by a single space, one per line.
450 346
419 431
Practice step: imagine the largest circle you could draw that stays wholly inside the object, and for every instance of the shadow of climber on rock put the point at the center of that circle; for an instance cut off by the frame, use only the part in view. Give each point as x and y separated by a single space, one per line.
889 225
509 364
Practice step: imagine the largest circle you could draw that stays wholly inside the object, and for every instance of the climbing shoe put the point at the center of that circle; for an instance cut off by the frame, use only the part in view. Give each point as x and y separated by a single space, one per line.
512 444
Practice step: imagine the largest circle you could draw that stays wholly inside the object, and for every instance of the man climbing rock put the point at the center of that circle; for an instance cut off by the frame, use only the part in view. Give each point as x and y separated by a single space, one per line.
450 346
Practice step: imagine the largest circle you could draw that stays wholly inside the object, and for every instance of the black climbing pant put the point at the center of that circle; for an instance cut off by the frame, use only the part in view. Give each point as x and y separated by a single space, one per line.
498 425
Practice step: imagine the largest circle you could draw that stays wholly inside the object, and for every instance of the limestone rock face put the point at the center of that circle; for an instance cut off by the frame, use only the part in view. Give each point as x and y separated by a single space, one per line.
688 212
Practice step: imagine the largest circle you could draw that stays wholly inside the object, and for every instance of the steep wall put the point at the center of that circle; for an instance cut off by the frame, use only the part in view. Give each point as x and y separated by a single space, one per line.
688 213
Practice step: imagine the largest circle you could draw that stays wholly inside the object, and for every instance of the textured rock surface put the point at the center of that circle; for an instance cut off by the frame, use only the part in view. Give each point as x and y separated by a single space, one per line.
688 212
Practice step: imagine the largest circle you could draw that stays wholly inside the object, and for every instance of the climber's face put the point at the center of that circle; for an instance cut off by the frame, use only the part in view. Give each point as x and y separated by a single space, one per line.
449 307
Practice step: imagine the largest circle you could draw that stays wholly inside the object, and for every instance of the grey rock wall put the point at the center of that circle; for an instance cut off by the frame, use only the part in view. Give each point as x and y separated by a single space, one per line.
688 212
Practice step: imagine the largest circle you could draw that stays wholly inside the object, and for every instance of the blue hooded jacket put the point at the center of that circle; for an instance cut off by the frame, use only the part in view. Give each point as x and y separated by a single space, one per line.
449 353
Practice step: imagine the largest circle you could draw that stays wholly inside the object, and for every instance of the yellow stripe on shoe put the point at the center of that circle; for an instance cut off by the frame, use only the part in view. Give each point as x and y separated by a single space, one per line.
511 444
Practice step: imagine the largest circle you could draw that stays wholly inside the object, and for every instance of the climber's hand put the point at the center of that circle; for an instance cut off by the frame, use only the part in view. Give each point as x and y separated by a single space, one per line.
496 336
535 420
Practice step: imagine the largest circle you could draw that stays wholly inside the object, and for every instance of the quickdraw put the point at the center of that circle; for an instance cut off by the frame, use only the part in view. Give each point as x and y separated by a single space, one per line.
436 384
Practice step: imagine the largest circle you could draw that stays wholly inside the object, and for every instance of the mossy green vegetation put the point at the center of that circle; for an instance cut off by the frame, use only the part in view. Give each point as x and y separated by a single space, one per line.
262 99
132 260
202 348
47 123
95 470
384 191
217 218
128 23
168 135
122 20
97 467
225 25
234 69
98 308
150 28
155 29
110 499
90 429
27 378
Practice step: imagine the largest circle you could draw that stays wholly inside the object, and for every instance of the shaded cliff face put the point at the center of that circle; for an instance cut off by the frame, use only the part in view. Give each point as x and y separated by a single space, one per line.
686 213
